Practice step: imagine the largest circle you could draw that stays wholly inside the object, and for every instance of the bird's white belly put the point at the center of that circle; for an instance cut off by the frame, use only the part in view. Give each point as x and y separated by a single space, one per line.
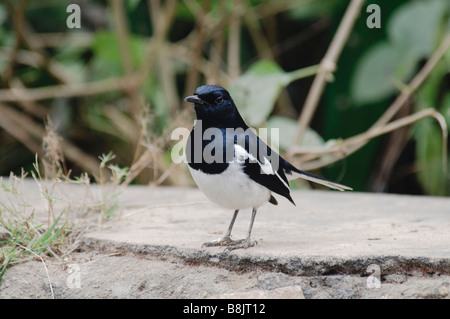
232 188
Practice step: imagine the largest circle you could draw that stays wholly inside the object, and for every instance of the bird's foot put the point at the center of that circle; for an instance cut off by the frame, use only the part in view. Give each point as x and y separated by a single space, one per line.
224 241
241 244
231 244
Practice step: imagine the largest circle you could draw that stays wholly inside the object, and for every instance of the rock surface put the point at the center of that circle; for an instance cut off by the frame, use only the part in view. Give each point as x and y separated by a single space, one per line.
331 245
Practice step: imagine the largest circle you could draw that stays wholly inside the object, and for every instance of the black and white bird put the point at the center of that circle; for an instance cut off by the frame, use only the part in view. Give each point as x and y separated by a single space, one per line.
232 166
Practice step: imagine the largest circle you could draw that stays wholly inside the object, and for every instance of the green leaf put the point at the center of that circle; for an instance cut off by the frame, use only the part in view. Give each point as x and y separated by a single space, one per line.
430 92
429 158
445 109
257 90
287 134
413 31
415 25
40 242
377 71
428 135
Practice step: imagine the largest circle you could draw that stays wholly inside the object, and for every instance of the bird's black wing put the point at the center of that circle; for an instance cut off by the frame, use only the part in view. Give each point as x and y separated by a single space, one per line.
277 170
261 163
195 152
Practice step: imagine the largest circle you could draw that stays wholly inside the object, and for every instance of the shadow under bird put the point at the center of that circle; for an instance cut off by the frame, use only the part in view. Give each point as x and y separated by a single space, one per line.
232 166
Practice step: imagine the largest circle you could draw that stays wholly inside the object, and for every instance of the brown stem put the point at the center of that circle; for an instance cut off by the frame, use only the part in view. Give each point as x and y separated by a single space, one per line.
328 66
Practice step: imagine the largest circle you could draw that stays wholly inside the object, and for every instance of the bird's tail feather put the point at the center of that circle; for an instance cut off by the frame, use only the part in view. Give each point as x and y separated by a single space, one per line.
295 173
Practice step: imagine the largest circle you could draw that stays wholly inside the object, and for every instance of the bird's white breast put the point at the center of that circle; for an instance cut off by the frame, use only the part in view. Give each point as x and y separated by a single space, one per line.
232 188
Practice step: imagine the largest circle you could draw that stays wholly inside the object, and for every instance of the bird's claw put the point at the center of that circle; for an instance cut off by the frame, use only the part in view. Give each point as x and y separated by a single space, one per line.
241 244
224 241
231 244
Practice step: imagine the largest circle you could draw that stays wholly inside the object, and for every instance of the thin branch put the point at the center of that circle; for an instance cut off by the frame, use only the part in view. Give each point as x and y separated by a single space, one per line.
17 15
71 151
121 26
357 143
122 35
162 19
350 145
216 55
183 54
234 40
328 66
415 83
69 90
22 136
34 44
37 60
30 107
193 76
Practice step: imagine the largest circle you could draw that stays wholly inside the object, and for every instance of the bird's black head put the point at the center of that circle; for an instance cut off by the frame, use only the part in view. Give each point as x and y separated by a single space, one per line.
215 107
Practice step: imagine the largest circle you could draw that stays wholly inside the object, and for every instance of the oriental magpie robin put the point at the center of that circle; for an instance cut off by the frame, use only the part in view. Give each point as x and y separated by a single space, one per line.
231 165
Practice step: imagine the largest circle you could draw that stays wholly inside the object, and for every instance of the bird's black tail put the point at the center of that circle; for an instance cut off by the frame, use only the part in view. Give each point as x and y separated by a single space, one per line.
292 173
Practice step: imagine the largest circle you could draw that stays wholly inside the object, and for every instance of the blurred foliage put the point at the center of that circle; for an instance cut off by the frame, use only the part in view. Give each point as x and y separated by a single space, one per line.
265 52
374 67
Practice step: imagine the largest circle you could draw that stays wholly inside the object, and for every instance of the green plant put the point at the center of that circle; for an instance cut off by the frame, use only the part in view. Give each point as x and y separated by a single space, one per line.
109 189
388 64
21 238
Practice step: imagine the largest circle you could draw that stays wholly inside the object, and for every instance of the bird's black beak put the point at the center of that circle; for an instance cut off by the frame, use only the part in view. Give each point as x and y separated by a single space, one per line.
194 99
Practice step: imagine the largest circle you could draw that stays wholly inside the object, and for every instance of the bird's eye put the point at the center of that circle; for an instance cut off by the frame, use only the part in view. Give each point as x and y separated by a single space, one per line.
219 100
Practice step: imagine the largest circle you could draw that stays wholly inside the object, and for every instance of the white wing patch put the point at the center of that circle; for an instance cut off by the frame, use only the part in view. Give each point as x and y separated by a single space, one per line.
241 155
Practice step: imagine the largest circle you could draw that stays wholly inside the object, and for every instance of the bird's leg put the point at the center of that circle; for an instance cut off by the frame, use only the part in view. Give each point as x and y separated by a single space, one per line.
244 243
225 240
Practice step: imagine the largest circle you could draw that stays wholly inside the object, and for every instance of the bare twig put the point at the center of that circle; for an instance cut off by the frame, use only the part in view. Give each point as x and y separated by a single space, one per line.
70 90
37 60
193 75
121 25
162 19
62 39
395 144
183 54
327 66
122 35
17 15
34 43
216 53
234 40
31 107
350 145
260 41
415 83
71 151
21 135
357 142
